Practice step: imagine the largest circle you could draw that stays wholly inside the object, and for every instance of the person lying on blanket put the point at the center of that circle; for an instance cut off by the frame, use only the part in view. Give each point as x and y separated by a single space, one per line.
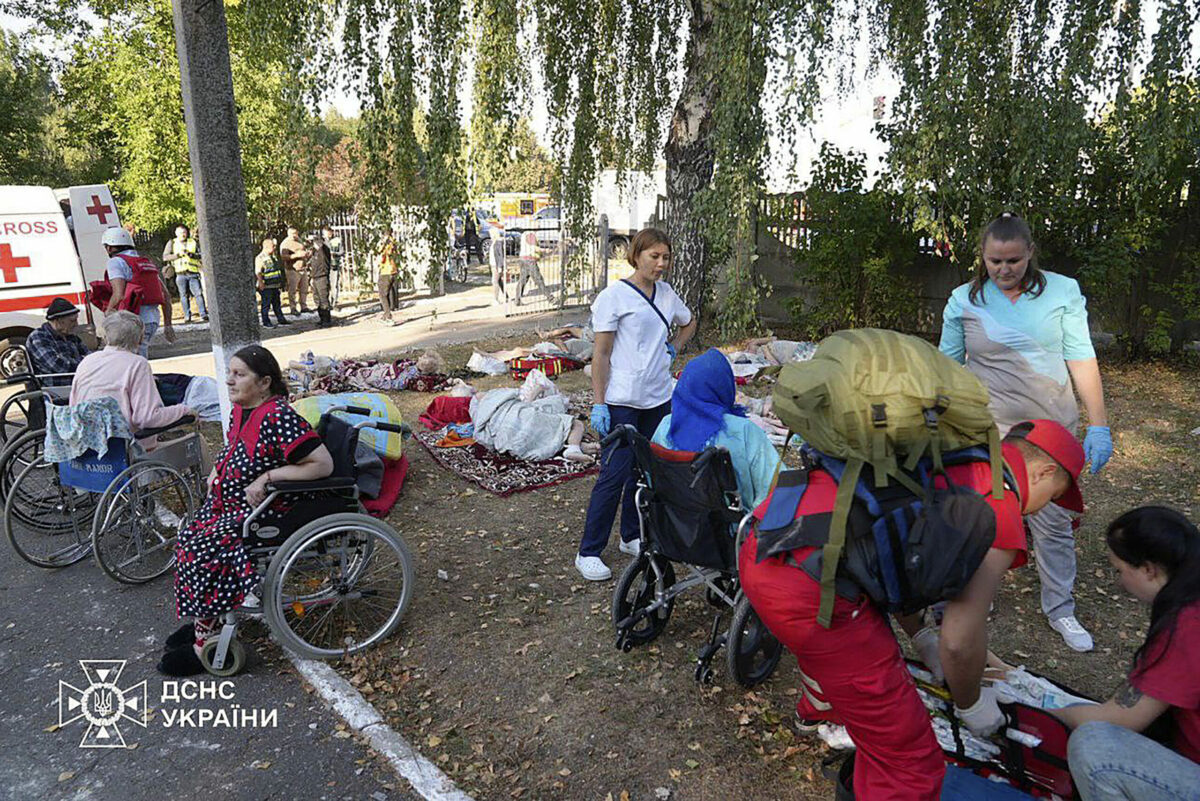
1156 553
536 430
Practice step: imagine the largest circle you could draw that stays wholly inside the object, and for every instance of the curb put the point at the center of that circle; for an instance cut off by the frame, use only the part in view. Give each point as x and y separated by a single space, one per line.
426 778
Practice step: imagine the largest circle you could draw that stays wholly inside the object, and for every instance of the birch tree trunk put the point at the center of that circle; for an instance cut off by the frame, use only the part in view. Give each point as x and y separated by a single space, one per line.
690 160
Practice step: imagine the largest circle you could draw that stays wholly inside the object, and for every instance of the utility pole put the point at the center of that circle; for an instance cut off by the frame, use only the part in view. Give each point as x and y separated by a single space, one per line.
202 45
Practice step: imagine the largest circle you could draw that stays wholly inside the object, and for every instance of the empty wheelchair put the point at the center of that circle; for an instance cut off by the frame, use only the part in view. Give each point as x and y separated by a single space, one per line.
124 506
688 507
334 580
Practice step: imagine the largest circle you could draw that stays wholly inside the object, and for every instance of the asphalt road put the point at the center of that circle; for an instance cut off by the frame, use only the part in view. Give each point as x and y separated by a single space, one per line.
51 620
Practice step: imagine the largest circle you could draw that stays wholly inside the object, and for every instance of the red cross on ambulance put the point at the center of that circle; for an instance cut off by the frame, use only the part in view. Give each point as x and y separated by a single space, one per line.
99 210
10 263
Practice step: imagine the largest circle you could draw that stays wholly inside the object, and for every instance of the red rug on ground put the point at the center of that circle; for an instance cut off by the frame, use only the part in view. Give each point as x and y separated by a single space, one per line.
394 472
499 473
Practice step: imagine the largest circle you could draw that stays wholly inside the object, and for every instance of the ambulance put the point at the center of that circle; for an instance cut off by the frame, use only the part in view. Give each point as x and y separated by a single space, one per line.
49 248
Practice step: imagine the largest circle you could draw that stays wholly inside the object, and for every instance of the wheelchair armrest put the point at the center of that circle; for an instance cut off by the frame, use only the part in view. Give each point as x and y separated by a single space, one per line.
330 483
21 378
186 420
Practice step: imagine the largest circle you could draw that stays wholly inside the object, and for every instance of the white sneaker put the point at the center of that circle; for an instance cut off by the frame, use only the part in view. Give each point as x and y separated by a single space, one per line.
1075 635
592 568
633 547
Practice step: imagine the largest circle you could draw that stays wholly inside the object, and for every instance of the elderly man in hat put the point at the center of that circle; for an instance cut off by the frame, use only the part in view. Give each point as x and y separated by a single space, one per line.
54 348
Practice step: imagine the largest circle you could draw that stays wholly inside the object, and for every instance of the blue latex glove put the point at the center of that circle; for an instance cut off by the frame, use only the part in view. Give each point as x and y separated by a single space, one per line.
601 421
671 350
1097 446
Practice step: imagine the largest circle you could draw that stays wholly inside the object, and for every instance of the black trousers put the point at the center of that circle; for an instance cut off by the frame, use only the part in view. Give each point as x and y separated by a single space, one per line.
270 300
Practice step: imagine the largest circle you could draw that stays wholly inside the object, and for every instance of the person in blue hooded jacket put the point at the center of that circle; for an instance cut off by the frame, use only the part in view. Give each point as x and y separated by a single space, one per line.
703 413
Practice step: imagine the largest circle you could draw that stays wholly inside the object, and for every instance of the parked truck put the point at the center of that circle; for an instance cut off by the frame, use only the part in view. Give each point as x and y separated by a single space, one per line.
629 206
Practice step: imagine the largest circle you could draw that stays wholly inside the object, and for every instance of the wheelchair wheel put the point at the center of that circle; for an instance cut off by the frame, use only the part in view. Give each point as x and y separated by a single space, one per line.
19 452
15 416
751 651
235 657
45 521
338 585
635 591
137 521
13 358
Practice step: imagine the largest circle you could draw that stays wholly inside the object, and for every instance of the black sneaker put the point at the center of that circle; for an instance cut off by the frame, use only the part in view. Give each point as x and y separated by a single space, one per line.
268 325
284 322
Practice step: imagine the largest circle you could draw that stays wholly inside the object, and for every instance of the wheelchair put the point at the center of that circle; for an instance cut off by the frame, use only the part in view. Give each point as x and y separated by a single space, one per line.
334 580
687 505
22 428
124 508
27 409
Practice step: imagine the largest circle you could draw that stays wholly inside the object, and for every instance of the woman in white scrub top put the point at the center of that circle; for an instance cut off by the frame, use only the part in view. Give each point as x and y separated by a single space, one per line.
631 385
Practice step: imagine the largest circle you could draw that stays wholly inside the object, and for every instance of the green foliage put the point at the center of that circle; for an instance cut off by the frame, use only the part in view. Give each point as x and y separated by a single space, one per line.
998 112
498 82
525 165
857 255
120 116
408 56
28 154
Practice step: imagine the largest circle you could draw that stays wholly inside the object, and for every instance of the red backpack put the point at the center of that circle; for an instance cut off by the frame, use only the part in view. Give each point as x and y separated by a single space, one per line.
144 288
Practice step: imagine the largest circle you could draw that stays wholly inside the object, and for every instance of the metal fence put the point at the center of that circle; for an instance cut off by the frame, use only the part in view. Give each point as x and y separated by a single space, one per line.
566 271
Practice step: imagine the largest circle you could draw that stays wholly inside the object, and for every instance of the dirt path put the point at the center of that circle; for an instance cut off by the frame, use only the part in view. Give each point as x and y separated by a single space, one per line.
506 674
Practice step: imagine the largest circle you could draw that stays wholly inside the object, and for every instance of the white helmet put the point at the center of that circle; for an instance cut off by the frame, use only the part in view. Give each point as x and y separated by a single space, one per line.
117 238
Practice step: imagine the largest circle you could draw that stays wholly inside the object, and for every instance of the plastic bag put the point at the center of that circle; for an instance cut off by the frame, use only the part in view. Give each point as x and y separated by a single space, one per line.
536 385
461 389
488 365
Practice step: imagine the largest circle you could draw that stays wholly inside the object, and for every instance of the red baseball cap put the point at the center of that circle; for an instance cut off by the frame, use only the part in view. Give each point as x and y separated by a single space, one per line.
1062 446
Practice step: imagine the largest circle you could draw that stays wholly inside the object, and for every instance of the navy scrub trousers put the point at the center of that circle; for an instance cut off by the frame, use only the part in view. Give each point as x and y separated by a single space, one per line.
616 476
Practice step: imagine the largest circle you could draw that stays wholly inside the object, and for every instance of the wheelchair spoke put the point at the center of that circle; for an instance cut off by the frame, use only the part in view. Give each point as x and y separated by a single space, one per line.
341 589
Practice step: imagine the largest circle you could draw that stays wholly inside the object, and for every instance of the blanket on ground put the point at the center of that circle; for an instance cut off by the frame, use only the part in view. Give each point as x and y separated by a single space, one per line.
500 473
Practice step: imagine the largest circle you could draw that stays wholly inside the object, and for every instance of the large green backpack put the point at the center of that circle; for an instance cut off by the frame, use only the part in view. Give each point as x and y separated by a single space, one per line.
887 400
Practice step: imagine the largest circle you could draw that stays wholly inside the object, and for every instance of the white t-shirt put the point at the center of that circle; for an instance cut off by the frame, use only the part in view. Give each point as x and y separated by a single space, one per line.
640 368
529 245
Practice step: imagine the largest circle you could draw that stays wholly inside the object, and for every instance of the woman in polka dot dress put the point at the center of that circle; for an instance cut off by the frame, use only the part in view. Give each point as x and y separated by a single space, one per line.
268 441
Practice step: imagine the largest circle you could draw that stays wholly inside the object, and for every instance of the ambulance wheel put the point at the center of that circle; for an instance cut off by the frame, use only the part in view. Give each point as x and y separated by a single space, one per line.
751 650
13 359
636 591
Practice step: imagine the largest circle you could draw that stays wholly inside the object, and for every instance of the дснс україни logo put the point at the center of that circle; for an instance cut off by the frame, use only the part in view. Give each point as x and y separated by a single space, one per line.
103 704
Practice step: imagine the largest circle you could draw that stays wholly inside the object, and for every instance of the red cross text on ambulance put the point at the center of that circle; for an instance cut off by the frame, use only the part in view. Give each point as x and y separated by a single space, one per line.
27 227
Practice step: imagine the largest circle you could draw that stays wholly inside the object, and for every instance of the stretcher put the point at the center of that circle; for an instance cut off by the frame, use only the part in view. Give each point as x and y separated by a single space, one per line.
1026 760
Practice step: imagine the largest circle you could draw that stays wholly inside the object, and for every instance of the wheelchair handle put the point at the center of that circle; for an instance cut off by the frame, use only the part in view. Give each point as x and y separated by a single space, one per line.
359 410
620 432
402 430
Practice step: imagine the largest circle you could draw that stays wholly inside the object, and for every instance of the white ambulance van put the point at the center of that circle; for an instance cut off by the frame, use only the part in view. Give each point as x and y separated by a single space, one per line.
42 258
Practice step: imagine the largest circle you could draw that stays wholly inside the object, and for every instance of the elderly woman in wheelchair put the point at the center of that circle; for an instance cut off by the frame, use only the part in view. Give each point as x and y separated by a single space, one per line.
281 533
267 440
77 479
705 469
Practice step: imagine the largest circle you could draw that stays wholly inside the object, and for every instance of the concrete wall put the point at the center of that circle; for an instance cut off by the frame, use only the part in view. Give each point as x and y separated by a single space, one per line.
934 279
